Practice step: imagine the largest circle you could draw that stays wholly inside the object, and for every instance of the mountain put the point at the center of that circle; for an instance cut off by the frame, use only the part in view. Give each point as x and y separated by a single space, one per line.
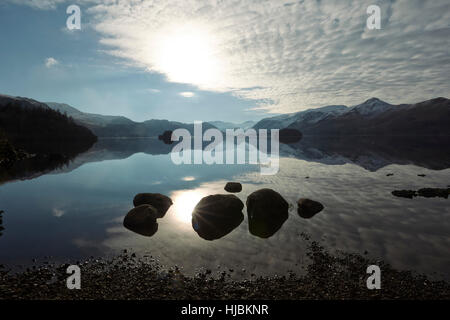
34 127
373 117
309 116
221 125
118 126
370 108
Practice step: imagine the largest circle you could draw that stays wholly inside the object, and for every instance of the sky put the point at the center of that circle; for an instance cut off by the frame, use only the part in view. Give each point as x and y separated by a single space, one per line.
228 60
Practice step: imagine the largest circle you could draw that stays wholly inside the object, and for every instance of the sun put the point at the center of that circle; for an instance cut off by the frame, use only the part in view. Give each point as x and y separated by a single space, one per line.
184 202
187 54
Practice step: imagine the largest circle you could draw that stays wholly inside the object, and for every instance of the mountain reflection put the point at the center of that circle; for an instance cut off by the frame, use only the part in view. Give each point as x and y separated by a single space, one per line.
371 153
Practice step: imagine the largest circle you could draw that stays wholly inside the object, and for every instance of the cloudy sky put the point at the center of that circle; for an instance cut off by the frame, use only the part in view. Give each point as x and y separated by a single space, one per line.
227 60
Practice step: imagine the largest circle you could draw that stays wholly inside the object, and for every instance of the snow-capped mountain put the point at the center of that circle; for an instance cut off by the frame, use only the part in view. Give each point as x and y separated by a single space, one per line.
309 116
373 117
371 107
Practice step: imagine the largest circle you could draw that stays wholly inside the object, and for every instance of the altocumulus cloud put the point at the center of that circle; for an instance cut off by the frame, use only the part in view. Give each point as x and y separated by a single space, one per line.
286 55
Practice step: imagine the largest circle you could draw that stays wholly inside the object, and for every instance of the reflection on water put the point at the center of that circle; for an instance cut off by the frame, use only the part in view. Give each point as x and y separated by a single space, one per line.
184 203
78 212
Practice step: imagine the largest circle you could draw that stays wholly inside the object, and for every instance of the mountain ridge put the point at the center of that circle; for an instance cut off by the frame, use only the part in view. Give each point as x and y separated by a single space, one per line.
107 126
372 117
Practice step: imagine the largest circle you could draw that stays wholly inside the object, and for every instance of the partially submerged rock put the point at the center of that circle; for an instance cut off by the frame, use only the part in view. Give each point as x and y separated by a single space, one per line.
142 220
166 137
233 187
434 192
424 192
217 215
159 201
308 208
267 211
404 193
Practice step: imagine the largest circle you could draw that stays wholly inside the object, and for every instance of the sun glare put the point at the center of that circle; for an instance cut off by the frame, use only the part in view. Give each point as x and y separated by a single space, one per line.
184 203
186 54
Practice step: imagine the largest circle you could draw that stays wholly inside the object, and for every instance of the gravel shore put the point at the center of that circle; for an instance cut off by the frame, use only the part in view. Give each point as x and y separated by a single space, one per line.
128 276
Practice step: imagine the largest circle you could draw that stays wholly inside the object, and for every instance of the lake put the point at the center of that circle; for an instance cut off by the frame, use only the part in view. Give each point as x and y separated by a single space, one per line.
77 211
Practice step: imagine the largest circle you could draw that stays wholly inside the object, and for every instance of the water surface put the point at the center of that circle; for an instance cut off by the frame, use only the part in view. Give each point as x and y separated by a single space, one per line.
77 211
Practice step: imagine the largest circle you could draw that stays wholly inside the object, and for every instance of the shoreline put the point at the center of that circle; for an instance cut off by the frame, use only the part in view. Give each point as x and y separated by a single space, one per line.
340 276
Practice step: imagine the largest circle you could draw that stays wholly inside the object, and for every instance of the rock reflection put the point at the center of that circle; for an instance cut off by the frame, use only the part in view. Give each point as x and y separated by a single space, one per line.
217 215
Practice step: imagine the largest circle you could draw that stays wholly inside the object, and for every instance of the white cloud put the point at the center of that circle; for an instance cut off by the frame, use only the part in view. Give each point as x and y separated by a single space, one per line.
151 90
58 212
51 62
294 55
52 4
39 4
285 55
187 94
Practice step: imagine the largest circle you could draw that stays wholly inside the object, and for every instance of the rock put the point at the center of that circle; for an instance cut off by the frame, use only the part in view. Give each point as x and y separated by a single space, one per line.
166 137
434 192
159 201
217 215
308 208
267 211
389 175
288 135
405 193
142 220
422 175
233 187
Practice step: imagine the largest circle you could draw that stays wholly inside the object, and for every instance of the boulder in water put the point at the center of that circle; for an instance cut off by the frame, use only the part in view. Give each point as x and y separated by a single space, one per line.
267 211
217 215
233 187
434 192
166 137
142 220
404 193
159 201
308 208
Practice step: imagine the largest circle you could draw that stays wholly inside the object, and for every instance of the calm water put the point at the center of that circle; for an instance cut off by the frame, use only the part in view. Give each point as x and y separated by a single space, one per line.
78 211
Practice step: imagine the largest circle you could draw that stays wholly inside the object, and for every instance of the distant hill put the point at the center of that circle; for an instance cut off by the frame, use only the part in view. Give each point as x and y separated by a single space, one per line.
118 126
373 117
34 127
